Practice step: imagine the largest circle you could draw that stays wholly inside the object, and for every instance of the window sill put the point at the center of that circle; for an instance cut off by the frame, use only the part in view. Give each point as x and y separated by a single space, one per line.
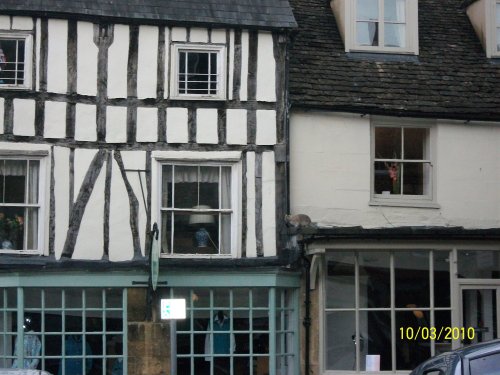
403 203
197 97
196 256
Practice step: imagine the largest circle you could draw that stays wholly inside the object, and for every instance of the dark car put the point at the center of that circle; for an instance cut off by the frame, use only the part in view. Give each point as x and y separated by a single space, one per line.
478 359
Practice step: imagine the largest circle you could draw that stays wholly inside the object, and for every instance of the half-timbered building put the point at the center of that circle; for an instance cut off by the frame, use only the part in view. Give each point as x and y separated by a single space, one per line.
118 117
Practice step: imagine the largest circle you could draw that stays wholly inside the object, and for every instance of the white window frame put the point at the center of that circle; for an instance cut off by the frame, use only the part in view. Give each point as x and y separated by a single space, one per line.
213 158
494 52
42 157
411 16
28 59
401 200
220 49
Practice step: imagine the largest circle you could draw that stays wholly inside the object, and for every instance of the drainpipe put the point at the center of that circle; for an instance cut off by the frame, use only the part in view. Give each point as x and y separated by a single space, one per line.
307 314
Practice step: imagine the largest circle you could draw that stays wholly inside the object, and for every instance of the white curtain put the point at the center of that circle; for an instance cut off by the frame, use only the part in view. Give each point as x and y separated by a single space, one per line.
395 29
225 186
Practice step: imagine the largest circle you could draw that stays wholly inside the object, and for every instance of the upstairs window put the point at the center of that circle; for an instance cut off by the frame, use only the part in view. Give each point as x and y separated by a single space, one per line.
197 209
15 67
402 164
20 205
198 72
385 26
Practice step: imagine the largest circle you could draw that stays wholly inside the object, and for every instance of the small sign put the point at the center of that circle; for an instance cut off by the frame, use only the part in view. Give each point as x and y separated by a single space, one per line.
173 309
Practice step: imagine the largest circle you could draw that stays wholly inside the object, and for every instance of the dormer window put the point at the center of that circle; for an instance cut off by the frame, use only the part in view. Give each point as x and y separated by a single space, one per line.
388 26
484 16
497 13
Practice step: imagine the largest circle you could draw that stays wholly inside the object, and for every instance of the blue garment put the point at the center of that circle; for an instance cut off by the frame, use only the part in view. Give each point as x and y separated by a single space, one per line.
32 346
224 343
74 366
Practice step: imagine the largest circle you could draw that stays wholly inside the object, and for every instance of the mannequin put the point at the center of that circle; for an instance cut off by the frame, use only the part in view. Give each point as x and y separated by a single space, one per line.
223 343
32 347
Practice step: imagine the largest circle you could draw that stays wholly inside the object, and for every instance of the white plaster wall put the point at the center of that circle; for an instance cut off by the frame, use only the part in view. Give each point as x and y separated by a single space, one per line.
85 122
117 62
230 52
90 240
61 194
268 204
55 120
24 117
2 111
147 125
22 23
266 68
86 60
266 127
179 34
38 43
218 36
4 22
251 244
57 57
236 126
177 125
147 64
206 125
198 35
330 174
137 160
120 235
116 124
244 66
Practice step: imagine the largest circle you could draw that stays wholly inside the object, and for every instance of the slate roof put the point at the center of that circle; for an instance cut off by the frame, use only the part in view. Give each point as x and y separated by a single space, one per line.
450 78
249 13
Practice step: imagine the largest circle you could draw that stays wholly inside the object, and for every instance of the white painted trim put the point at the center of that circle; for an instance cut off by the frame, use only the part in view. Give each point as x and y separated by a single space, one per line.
492 29
198 47
28 58
230 156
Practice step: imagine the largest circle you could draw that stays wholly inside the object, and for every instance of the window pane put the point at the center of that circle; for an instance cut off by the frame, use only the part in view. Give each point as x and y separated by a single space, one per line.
498 14
387 178
225 243
374 279
394 10
12 228
197 73
412 279
340 344
487 365
14 177
196 233
413 177
442 319
209 187
186 186
498 39
166 194
416 143
32 228
442 279
395 35
225 187
375 337
410 348
340 291
484 264
387 143
367 33
34 173
367 10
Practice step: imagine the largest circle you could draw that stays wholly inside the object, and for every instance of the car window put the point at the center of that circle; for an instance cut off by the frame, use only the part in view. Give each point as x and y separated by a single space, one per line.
433 372
487 365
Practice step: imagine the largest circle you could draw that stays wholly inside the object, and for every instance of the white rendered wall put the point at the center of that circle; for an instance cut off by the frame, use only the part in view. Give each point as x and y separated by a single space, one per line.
57 59
330 174
266 69
117 62
206 125
147 62
24 117
251 234
61 195
86 60
268 203
90 239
